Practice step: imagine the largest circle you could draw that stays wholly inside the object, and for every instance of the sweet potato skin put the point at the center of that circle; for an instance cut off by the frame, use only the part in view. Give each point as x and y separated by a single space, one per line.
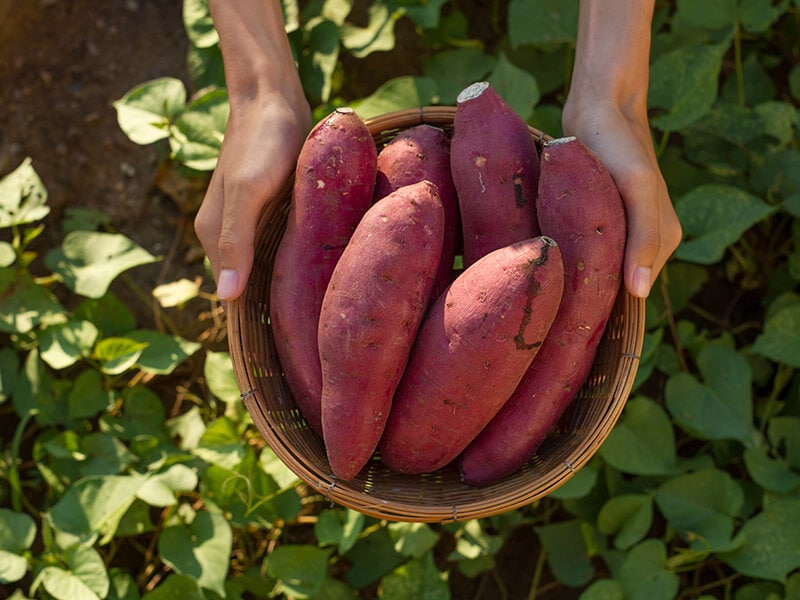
333 186
495 168
475 343
370 315
419 153
580 207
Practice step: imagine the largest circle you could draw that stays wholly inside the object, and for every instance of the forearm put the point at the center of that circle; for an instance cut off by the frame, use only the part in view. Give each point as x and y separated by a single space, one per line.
612 56
255 50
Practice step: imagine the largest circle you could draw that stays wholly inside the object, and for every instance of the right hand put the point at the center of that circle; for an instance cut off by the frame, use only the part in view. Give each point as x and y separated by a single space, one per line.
262 141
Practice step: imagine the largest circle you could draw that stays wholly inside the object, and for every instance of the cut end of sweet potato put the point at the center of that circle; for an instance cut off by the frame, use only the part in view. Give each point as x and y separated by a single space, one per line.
472 91
562 140
345 110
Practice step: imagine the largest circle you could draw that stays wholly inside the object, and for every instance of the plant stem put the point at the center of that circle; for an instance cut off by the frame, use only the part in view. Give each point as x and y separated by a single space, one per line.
13 469
737 50
537 574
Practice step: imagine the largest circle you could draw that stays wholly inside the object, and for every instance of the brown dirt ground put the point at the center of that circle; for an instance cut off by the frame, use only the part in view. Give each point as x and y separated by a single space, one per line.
62 64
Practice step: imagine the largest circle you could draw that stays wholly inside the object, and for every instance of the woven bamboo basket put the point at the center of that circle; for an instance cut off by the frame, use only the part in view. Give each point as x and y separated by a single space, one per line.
439 496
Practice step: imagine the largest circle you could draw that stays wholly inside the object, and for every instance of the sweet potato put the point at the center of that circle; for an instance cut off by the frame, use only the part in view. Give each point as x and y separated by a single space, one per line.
419 153
474 345
334 182
580 207
495 168
370 315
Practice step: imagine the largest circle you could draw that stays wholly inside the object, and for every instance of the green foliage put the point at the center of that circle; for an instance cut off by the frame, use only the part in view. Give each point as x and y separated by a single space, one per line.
129 468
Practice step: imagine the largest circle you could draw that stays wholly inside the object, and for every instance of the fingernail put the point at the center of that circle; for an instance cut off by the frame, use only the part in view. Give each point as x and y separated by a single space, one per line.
227 284
641 282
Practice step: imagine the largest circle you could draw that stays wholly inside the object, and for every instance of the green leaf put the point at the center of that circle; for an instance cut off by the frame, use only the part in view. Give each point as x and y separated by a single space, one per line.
604 589
340 528
65 344
198 132
7 255
757 16
702 507
142 415
567 554
642 442
176 587
768 545
94 505
118 354
108 313
9 367
23 197
221 444
418 578
397 94
146 112
780 339
88 261
628 517
517 87
200 549
299 568
104 455
425 13
85 579
26 308
123 586
318 64
684 84
455 69
187 428
87 397
711 14
198 24
784 433
372 557
720 408
377 36
413 539
713 217
770 472
162 353
17 532
220 378
577 486
643 574
778 120
161 489
542 22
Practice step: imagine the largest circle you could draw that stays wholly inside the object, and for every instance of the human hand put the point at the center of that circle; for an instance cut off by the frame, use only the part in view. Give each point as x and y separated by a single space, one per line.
625 147
259 152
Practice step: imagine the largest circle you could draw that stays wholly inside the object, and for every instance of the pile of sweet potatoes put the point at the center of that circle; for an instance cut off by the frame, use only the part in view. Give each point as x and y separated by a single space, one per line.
440 299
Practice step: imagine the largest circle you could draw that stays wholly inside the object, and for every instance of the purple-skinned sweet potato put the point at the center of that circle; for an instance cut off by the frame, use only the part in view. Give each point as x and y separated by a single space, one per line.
370 315
476 342
332 190
419 153
580 207
495 167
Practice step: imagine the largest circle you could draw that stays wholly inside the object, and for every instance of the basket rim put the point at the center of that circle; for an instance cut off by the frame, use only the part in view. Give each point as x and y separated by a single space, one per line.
483 501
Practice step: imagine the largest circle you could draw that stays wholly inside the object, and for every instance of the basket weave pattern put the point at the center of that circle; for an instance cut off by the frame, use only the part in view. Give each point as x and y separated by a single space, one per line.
439 496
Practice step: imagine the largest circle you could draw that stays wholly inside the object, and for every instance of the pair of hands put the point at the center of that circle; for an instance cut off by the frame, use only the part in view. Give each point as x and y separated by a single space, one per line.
271 132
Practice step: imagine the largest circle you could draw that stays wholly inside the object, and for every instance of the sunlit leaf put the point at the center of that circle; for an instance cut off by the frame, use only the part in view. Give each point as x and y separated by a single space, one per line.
411 539
199 130
161 352
220 378
175 587
176 293
198 23
318 65
64 344
88 261
516 86
221 444
23 197
27 307
377 36
161 489
454 69
397 94
118 354
145 113
339 528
